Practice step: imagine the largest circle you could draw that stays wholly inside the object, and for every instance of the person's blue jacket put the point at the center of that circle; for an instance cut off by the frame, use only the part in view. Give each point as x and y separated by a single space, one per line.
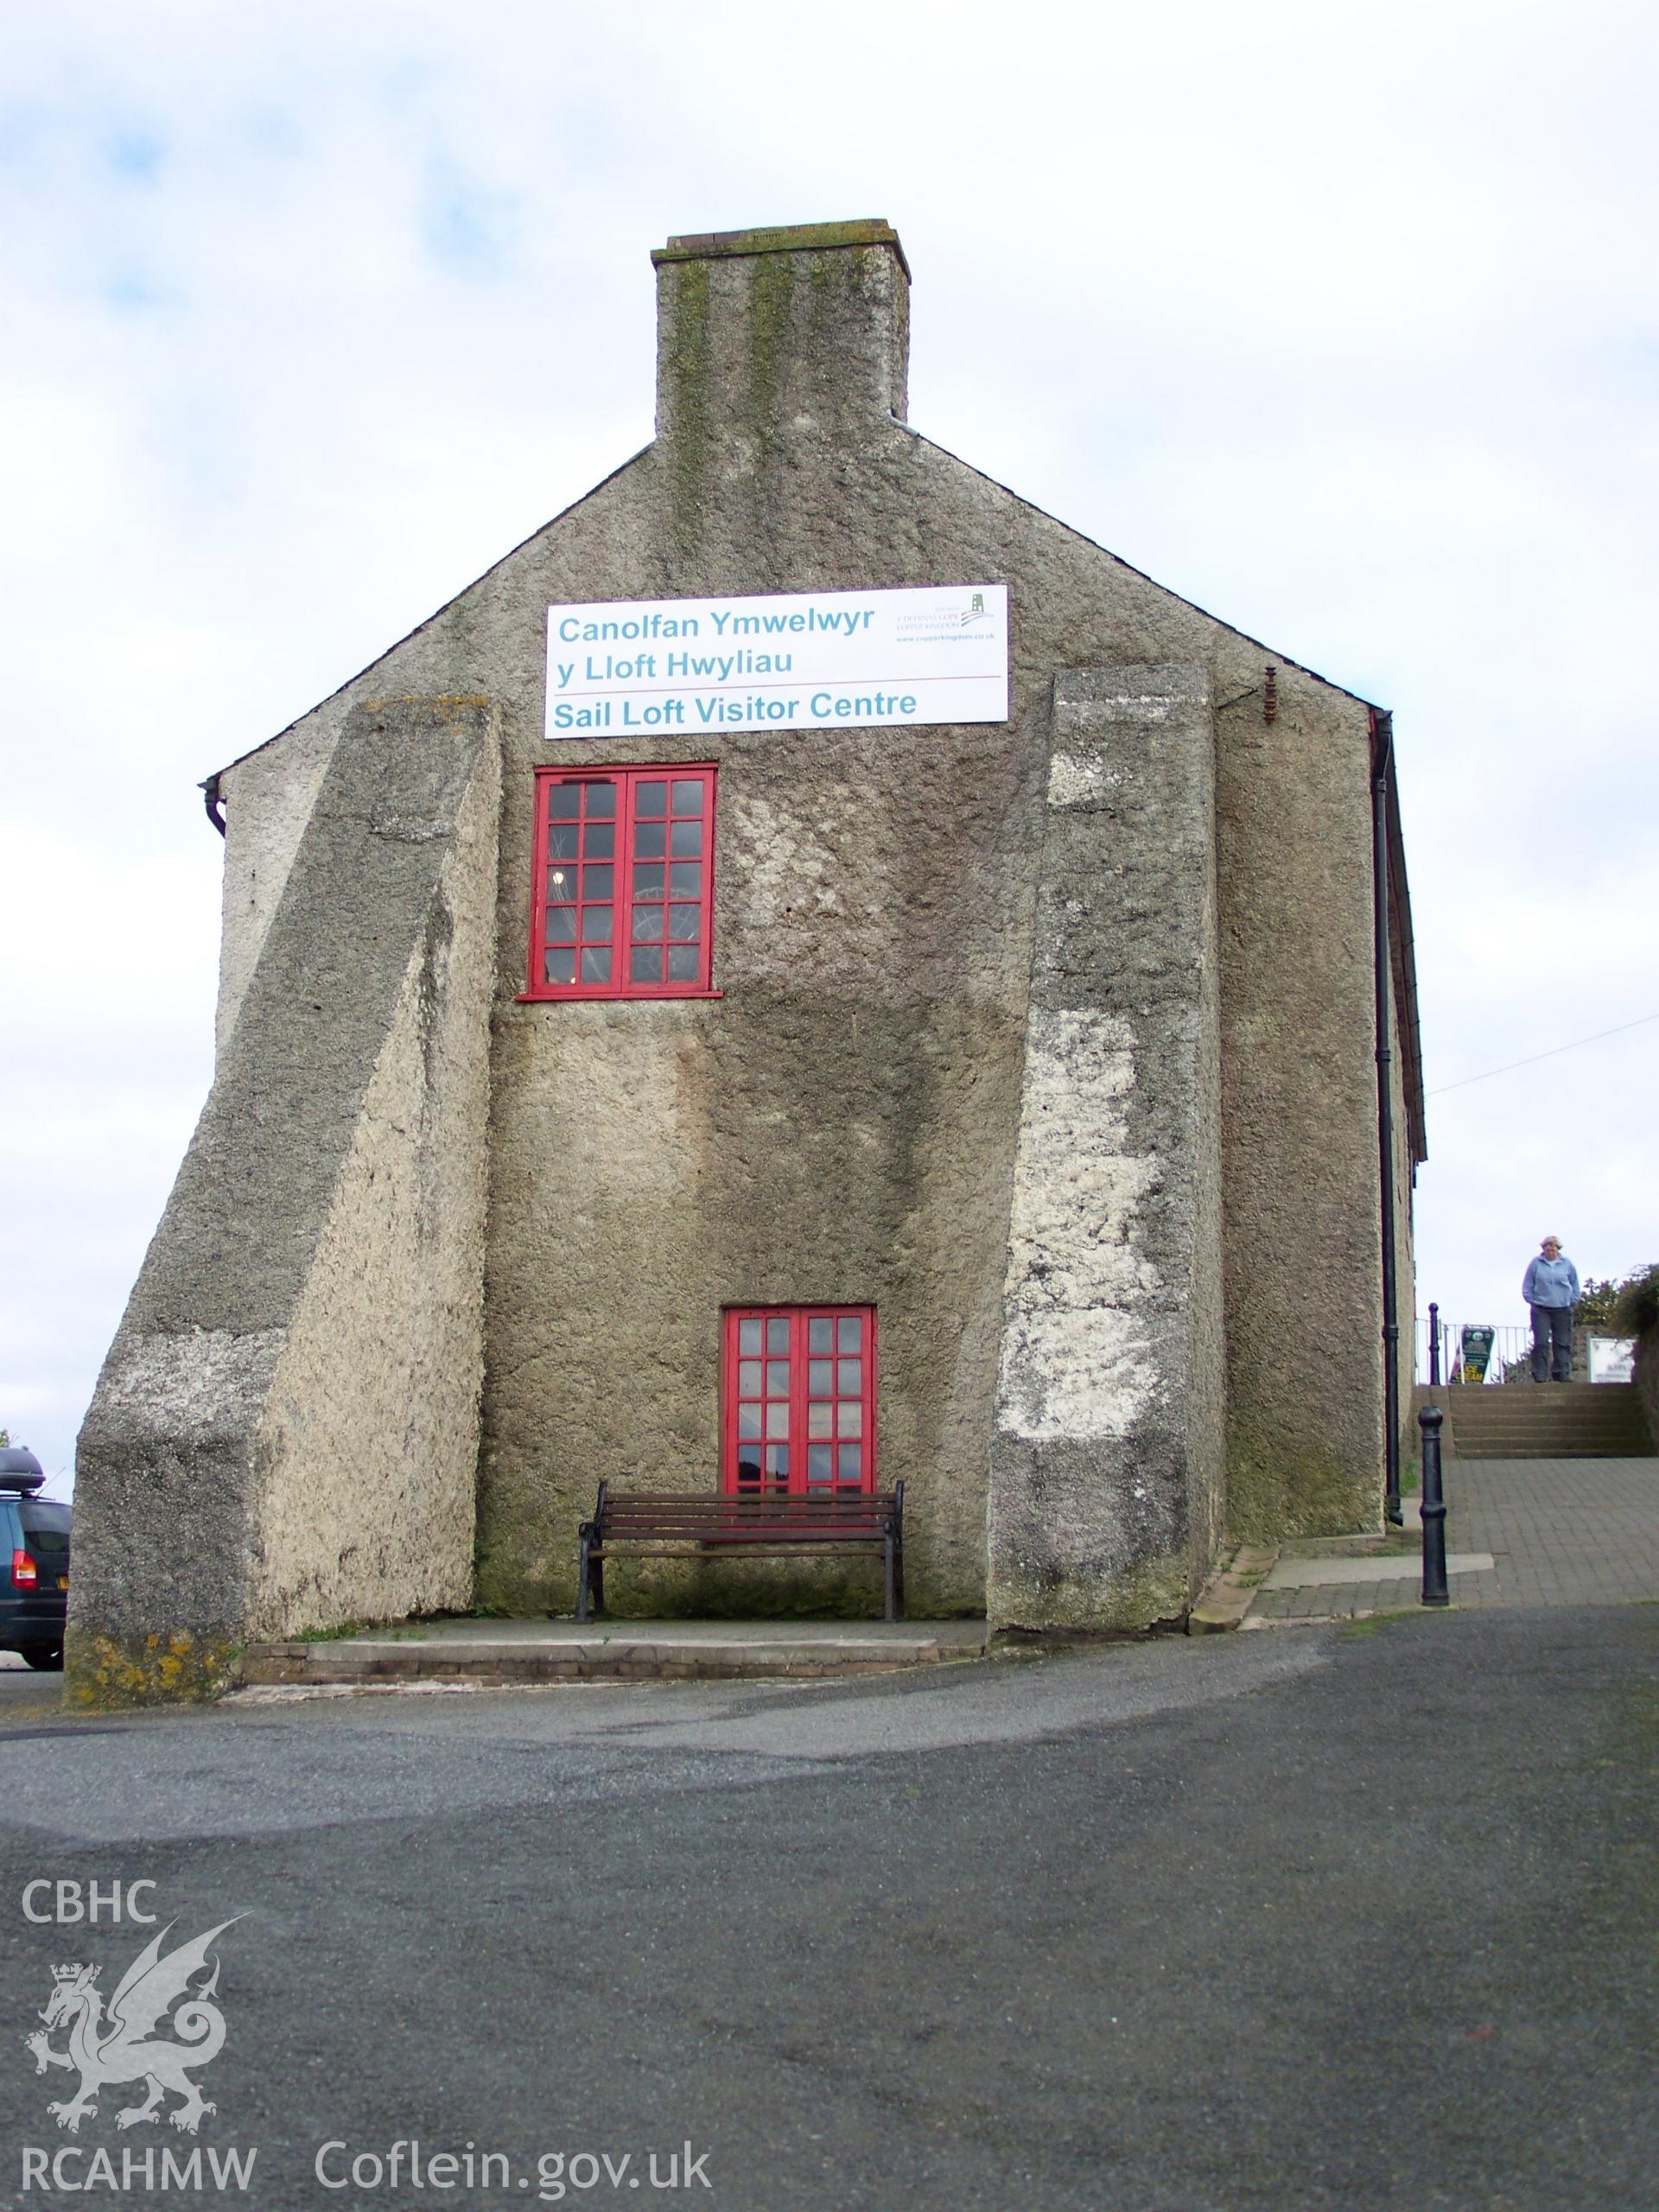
1551 1282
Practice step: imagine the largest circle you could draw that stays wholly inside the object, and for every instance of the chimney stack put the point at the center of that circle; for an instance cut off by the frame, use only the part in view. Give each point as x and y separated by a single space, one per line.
762 334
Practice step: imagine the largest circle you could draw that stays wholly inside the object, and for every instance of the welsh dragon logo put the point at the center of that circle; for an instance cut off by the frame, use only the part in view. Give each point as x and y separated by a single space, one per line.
120 2046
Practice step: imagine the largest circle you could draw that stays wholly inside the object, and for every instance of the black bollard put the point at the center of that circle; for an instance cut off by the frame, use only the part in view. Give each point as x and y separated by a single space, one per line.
1434 1346
1434 1590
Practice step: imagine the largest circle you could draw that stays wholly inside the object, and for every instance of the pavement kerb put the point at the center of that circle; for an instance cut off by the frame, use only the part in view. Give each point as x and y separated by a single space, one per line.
1231 1592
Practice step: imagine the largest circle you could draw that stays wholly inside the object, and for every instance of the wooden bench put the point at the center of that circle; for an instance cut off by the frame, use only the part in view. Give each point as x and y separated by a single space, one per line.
756 1524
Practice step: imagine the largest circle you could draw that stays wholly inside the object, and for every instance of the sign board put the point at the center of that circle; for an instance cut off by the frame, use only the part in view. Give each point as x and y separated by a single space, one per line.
1474 1354
1613 1359
797 660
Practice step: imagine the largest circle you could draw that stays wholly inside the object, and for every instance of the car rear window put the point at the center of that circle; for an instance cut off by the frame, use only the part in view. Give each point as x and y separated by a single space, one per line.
46 1527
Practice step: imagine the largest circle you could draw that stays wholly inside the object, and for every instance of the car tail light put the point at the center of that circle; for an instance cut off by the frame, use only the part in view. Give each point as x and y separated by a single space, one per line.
24 1572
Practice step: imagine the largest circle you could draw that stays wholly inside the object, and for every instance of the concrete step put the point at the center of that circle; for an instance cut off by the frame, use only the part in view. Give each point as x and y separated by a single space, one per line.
1529 1449
498 1653
1547 1420
1569 1425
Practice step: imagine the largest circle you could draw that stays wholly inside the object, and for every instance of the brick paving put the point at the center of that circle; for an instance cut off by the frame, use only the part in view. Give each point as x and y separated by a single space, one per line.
1562 1532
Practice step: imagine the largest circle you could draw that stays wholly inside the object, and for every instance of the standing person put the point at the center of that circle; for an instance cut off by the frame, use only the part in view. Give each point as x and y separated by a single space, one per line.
1551 1288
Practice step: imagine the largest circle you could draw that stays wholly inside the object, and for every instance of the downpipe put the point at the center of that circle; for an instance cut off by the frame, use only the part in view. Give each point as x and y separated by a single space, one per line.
1381 764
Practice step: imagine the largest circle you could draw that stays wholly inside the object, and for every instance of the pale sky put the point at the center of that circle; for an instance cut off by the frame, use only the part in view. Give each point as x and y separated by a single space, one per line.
1340 321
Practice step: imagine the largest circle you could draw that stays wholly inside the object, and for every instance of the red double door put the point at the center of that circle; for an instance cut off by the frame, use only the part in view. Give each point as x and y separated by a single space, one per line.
799 1403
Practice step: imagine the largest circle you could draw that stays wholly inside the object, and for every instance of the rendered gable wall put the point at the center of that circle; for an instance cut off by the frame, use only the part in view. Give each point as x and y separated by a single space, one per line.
911 950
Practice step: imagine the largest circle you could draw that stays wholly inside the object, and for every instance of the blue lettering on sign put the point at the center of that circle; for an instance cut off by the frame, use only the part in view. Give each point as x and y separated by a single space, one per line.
574 631
869 706
751 709
842 621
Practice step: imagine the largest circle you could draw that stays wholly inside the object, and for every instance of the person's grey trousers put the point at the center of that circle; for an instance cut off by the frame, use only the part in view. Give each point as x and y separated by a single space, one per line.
1552 1344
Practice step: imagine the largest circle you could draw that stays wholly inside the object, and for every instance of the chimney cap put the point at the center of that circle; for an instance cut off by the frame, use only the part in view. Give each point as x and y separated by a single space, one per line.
797 238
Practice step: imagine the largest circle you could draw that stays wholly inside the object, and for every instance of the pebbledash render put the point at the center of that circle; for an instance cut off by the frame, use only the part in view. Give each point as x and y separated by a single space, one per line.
1025 1068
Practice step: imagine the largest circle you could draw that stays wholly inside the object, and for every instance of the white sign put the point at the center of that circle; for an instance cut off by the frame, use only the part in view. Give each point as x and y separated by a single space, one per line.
1613 1359
798 660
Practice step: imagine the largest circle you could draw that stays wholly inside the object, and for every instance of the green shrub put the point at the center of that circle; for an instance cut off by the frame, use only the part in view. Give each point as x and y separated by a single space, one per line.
1597 1304
1636 1308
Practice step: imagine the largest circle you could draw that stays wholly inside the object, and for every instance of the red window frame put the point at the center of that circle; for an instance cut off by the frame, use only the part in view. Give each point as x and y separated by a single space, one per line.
798 1415
635 889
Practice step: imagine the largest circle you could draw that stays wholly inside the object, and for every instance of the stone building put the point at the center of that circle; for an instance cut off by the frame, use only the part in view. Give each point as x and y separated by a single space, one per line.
1013 1078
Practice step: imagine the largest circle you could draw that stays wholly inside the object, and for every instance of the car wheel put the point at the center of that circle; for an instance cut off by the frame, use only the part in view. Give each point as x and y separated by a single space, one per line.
48 1657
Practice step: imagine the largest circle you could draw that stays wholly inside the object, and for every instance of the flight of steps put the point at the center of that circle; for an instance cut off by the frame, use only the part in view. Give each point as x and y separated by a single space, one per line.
1547 1421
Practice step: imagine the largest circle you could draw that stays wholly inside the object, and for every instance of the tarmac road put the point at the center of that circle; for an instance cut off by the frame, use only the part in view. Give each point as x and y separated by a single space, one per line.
1307 1918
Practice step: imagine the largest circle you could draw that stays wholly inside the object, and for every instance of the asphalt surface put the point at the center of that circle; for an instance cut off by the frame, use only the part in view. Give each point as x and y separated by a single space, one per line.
1316 1917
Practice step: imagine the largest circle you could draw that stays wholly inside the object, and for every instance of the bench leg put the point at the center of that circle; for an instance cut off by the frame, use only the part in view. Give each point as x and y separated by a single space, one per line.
590 1577
893 1579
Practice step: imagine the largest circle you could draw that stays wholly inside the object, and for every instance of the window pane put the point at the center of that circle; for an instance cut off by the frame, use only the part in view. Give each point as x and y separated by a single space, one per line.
595 924
682 963
559 967
648 881
849 1333
749 1370
647 922
595 965
820 1375
688 795
560 886
563 801
650 799
778 1333
820 1336
818 1457
646 964
849 1462
599 841
562 841
849 1418
561 924
852 1377
820 1417
686 841
599 803
748 1474
685 879
777 1459
596 881
748 1421
648 840
777 1378
684 925
748 1336
777 1417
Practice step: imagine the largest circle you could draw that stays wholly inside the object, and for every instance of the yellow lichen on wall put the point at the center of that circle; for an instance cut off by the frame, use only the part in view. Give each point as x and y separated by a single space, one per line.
102 1673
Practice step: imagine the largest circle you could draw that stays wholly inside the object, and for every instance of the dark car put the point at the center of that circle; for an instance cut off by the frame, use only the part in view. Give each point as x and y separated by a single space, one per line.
35 1555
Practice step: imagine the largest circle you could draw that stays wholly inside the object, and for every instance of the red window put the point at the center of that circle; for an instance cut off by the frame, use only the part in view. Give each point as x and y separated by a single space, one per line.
624 890
800 1399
